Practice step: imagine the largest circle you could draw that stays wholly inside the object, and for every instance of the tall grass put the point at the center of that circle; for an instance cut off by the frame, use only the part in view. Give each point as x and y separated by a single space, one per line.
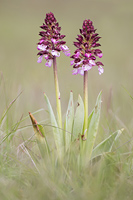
25 174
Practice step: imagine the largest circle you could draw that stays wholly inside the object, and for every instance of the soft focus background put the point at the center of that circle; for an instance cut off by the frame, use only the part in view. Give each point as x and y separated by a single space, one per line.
19 71
19 28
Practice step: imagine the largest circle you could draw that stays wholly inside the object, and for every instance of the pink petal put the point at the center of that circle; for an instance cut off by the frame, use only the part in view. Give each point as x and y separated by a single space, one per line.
87 67
72 62
100 55
54 41
40 59
67 53
41 41
77 54
49 63
81 71
88 54
77 64
55 53
92 62
75 71
46 57
41 47
64 47
100 69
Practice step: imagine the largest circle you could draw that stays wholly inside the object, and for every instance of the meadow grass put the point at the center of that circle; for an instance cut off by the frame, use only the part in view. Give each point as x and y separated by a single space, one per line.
25 174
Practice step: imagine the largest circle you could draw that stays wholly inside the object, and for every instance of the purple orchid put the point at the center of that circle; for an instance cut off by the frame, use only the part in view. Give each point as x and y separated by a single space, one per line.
86 53
51 43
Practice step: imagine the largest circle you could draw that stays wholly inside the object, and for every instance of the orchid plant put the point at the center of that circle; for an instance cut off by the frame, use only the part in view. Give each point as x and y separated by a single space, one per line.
78 127
84 58
50 46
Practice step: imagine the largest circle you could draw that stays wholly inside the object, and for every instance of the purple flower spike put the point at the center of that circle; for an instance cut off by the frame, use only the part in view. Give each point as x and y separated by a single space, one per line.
86 52
51 43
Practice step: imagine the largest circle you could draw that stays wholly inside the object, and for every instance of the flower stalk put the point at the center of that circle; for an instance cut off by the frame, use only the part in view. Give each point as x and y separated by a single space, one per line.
57 93
85 103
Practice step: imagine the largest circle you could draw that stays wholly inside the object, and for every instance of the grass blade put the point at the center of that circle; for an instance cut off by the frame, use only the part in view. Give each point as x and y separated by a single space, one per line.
10 105
107 144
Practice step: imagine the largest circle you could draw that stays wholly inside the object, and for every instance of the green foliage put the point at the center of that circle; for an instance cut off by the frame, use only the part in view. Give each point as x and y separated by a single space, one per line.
74 138
106 145
93 128
57 132
78 119
3 119
41 137
27 175
69 122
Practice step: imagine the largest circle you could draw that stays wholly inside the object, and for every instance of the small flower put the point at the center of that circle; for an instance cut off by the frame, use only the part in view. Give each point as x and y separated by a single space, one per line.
49 63
41 47
54 41
65 50
78 71
51 43
72 62
67 53
86 67
85 55
100 69
55 53
92 63
40 59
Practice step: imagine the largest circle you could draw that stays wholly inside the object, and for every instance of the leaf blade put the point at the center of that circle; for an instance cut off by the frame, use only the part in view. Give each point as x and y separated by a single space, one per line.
40 136
106 145
78 119
69 122
57 132
93 127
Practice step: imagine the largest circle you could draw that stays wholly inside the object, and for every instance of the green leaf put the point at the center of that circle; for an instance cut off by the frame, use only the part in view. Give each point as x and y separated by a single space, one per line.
69 121
89 118
40 136
93 127
57 132
106 145
41 129
78 119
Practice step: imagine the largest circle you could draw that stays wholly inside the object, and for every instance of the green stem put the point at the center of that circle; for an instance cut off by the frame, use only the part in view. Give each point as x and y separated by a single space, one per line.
85 103
57 92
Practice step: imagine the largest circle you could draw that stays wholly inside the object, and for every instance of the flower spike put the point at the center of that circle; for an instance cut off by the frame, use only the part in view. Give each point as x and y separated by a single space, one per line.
51 43
86 52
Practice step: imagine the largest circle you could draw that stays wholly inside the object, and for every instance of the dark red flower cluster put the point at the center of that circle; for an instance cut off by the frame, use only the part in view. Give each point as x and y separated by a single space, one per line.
51 42
86 53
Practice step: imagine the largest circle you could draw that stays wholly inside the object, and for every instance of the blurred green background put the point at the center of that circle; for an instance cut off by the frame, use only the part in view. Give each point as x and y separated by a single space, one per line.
19 28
